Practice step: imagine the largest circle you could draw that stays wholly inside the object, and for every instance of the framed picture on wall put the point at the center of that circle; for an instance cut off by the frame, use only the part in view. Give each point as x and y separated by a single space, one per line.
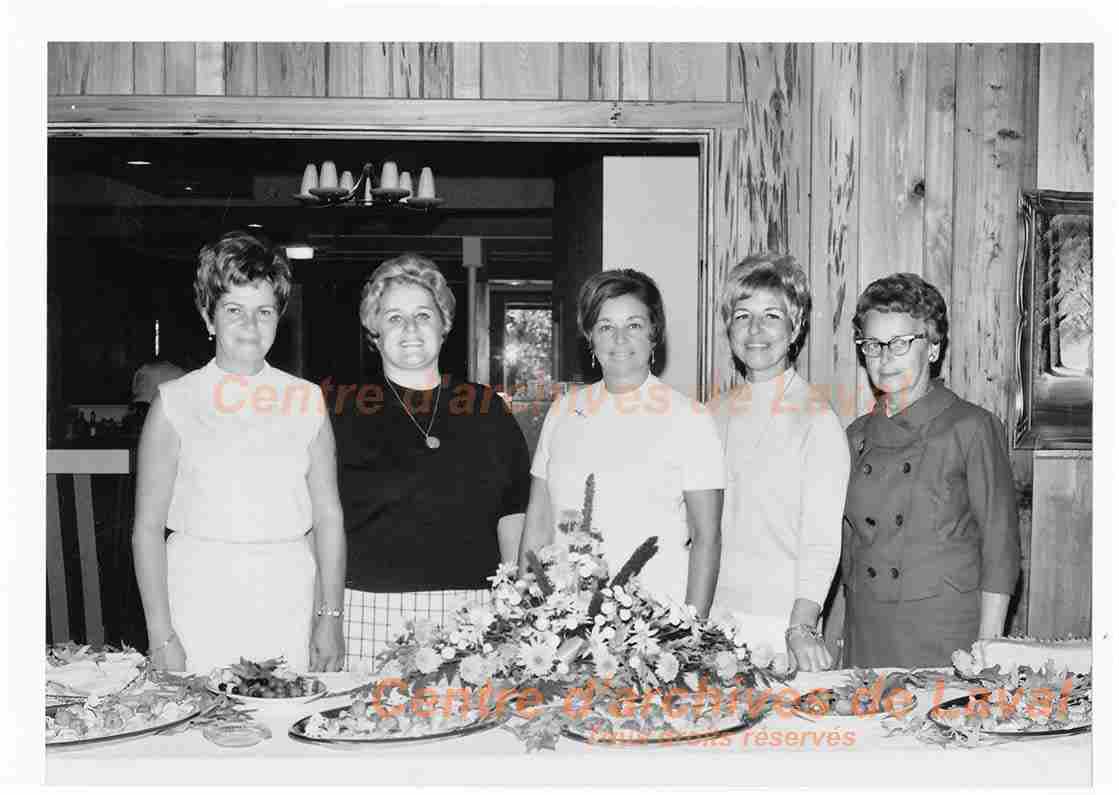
1053 395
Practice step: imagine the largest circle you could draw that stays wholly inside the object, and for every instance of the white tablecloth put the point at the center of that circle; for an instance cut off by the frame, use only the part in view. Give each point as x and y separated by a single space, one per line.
865 758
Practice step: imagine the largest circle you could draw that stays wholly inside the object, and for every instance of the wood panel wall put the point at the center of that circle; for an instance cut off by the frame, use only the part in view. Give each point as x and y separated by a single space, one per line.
860 159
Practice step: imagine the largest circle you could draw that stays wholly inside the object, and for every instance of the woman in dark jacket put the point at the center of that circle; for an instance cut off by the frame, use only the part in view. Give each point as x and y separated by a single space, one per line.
930 531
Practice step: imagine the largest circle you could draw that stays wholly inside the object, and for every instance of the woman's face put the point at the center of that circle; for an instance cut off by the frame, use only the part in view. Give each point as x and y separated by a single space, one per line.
409 330
761 331
244 326
888 372
621 339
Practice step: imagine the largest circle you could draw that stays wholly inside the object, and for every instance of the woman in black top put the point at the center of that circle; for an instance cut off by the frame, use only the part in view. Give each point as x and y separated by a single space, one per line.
433 472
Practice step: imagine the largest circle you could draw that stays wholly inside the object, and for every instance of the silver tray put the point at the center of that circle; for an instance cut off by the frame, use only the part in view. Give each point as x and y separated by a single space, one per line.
298 732
131 735
963 701
668 740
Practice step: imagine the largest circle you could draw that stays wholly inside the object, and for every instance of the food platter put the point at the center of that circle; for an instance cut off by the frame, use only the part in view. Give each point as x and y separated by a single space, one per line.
970 710
267 683
311 729
192 712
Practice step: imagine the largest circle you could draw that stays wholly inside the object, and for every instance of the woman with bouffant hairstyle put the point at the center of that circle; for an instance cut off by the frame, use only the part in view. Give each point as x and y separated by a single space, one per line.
246 481
433 470
787 465
930 531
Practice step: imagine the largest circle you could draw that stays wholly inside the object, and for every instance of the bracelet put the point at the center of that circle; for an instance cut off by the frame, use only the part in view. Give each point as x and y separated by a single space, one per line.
811 631
165 643
323 611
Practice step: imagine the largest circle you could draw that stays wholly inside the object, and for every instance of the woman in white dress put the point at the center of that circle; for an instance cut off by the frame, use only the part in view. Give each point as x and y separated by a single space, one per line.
787 464
654 452
237 459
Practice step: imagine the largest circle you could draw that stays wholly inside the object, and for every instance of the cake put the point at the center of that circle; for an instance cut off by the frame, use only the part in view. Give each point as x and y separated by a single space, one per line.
1071 654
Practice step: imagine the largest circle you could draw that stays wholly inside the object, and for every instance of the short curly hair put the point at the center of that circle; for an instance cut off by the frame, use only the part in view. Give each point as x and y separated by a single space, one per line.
908 293
235 260
615 283
779 273
411 269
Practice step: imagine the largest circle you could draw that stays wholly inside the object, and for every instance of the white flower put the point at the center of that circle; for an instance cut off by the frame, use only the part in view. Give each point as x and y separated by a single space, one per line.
606 666
635 662
726 665
427 661
625 614
424 630
448 652
608 609
691 679
624 599
668 667
740 652
599 620
487 648
539 656
475 669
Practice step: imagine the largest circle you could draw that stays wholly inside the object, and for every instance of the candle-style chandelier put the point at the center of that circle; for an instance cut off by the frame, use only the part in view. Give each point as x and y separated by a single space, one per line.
323 187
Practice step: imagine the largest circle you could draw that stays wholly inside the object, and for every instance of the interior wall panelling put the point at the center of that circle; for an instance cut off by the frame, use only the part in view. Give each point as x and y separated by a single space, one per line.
178 68
1065 125
692 72
939 175
437 79
240 68
833 262
90 67
993 163
520 70
407 70
343 69
635 77
1060 592
466 64
209 68
295 69
575 71
148 67
606 65
376 69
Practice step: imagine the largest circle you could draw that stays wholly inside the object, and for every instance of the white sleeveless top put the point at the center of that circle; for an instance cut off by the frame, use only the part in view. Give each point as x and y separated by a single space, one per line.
243 454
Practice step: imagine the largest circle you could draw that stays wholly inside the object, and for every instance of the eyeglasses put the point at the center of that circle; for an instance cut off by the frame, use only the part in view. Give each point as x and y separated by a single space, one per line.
899 345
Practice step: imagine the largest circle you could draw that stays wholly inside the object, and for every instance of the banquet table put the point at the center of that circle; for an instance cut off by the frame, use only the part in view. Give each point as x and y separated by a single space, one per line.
831 751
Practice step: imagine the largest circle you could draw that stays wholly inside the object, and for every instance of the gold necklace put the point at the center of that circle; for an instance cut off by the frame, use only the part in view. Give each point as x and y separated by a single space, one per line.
431 441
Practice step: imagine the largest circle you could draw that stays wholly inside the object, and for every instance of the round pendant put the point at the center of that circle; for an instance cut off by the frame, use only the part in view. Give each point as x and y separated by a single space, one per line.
433 442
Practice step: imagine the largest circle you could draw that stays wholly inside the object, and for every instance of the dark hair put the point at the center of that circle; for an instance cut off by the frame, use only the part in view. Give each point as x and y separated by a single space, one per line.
601 287
908 293
778 273
235 260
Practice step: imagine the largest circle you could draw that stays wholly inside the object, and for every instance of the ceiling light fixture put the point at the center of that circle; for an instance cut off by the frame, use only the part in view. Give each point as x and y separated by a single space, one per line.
139 162
299 251
255 226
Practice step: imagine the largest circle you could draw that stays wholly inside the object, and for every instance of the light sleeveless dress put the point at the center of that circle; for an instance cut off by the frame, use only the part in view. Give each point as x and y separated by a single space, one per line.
240 566
645 449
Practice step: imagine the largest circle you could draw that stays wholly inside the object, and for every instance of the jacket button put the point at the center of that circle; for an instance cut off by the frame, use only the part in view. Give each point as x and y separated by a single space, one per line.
898 520
866 469
870 521
895 573
906 467
870 570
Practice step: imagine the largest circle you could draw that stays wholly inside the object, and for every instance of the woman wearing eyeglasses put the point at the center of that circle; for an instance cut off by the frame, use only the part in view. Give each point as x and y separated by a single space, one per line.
653 451
930 531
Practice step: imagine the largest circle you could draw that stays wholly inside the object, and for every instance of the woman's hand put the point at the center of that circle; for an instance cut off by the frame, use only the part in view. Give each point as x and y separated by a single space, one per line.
328 646
808 650
171 657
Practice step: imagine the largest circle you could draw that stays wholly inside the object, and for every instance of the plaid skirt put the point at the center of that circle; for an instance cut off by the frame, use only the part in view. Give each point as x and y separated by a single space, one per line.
372 620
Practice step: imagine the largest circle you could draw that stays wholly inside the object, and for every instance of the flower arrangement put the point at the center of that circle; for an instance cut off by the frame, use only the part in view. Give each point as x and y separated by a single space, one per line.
568 648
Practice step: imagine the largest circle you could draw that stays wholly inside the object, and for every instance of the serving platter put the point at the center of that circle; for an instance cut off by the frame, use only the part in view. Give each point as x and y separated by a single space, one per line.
299 731
125 735
978 702
664 737
826 702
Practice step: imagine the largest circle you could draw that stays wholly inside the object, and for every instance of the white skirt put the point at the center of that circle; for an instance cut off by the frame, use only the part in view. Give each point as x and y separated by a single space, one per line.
233 600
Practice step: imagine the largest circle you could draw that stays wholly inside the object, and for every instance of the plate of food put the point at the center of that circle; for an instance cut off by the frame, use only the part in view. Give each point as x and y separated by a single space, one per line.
656 729
364 722
864 692
1002 714
269 682
74 672
120 717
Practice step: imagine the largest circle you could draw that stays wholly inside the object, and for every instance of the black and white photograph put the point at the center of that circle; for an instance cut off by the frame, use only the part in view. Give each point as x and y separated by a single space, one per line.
699 407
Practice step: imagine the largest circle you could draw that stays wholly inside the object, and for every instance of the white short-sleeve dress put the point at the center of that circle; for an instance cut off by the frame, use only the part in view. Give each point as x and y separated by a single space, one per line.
645 448
240 566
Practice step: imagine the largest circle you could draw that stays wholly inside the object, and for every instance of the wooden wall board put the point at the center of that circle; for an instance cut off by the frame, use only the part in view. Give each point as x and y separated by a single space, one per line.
343 69
467 69
520 70
1066 113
